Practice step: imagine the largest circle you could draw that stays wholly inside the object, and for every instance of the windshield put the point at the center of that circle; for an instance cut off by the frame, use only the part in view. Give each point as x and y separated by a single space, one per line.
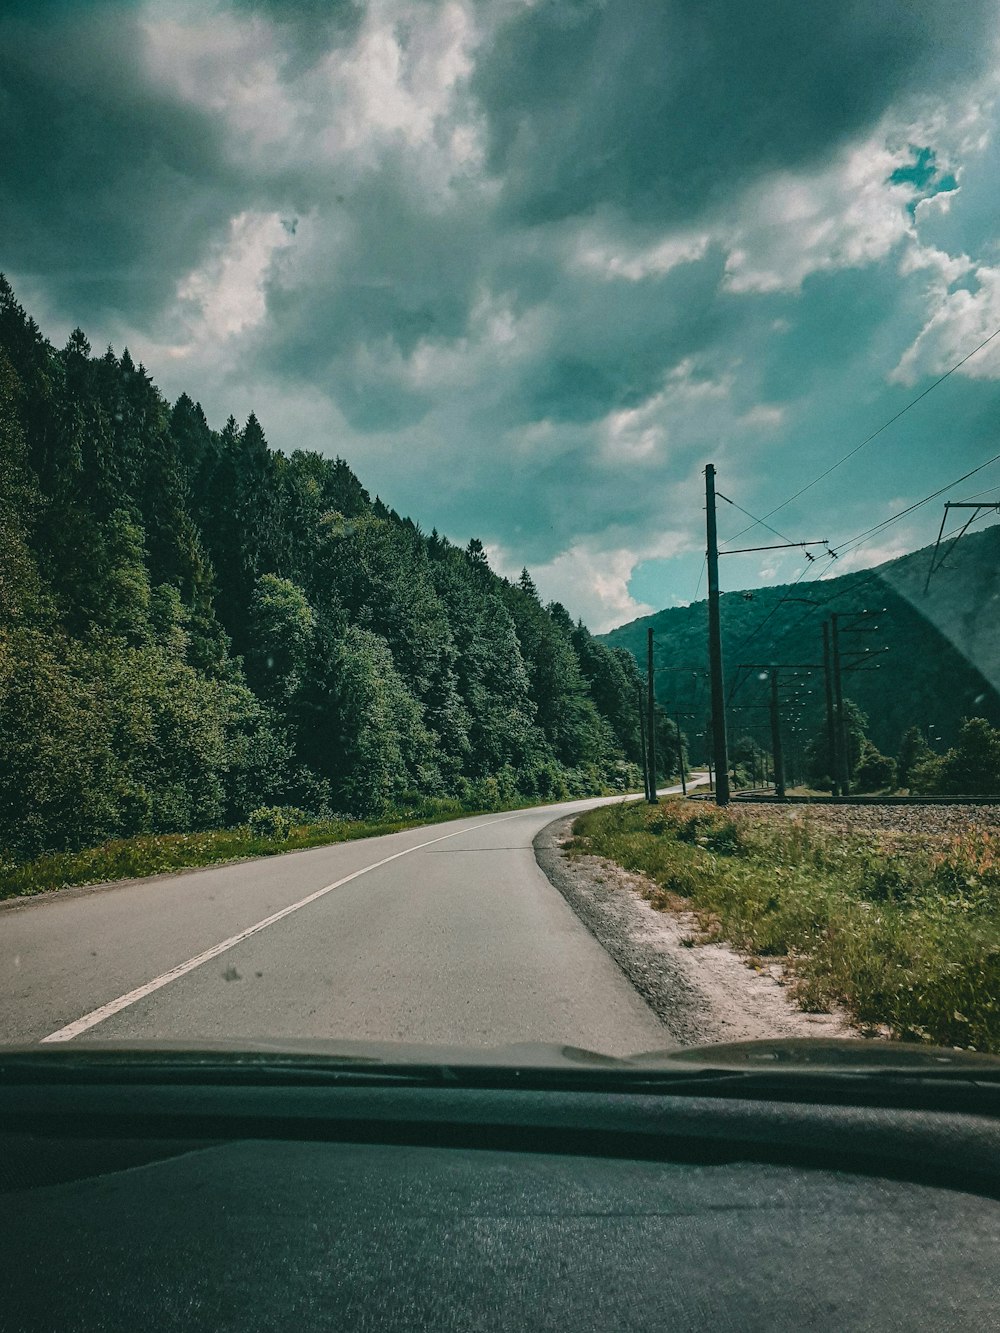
498 538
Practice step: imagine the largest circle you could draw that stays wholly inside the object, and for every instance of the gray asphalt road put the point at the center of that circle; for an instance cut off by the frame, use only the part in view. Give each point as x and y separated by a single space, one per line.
447 933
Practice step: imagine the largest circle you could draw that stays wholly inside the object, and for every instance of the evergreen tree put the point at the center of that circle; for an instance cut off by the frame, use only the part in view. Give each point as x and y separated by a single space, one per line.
913 751
192 625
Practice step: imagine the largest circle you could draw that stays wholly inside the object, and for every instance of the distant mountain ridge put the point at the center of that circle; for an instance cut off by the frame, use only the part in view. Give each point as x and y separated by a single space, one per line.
943 662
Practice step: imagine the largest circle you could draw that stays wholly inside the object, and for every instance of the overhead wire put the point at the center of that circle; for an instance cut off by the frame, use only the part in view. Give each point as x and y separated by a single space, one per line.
757 522
820 574
874 434
851 543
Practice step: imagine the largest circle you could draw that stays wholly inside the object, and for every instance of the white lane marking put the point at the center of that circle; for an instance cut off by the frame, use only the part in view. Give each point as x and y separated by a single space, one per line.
96 1016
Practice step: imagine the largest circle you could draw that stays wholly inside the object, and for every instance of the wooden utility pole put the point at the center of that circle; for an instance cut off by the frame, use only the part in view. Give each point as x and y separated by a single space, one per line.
651 718
719 748
776 755
831 734
680 753
642 740
844 765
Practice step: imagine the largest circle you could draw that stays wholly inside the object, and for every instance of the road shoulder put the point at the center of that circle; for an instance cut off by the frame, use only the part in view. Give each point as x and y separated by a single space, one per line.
705 993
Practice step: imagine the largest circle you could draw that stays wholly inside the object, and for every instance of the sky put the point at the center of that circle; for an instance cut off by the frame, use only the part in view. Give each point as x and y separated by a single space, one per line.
529 265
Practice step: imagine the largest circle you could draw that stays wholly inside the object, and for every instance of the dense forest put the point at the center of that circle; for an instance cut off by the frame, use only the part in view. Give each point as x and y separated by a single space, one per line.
929 659
193 625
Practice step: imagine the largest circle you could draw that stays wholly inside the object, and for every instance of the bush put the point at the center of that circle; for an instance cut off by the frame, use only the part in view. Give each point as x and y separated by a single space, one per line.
875 771
270 821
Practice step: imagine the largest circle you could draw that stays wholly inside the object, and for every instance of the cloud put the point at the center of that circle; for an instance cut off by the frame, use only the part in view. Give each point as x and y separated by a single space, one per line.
525 265
110 190
665 108
960 321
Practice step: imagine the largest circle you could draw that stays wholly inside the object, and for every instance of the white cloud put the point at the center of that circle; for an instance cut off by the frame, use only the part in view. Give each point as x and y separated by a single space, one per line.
593 584
394 84
959 322
616 258
764 416
844 216
226 293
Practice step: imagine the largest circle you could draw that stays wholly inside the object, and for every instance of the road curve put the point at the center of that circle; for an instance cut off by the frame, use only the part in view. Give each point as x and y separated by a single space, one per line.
447 933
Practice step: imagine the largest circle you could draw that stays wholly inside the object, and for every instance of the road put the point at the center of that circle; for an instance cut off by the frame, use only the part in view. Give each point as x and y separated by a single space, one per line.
447 933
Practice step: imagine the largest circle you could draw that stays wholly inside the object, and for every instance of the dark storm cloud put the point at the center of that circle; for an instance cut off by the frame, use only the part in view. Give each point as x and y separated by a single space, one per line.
544 256
666 108
612 342
109 189
394 267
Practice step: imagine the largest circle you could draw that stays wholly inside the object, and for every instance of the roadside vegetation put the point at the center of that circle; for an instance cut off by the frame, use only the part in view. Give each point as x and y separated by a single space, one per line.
970 767
269 831
194 625
903 932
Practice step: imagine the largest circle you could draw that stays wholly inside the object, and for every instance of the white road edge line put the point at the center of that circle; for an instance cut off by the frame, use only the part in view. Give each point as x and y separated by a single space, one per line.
96 1016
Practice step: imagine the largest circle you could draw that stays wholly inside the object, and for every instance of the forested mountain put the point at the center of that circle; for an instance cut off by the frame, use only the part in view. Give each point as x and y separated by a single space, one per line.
192 624
942 664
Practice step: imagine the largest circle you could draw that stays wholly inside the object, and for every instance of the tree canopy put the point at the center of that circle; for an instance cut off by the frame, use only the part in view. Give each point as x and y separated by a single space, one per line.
193 624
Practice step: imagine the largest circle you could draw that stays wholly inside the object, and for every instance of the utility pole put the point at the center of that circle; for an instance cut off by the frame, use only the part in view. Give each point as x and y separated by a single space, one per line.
831 735
719 747
776 755
651 718
844 766
938 561
680 753
706 735
642 741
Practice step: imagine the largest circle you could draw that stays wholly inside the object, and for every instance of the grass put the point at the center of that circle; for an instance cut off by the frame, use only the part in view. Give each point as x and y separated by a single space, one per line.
156 853
905 937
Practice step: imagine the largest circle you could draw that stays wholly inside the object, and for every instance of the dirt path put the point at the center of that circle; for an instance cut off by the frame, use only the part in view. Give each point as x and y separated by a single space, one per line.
705 993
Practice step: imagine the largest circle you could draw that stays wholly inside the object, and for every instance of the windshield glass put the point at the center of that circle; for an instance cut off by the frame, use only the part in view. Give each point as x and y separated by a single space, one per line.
498 538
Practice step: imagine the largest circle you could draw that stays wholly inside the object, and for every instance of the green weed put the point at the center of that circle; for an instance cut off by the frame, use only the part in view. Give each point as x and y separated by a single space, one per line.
904 938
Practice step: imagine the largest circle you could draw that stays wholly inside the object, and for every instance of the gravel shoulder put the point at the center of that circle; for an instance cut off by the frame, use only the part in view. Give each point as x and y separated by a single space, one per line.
702 993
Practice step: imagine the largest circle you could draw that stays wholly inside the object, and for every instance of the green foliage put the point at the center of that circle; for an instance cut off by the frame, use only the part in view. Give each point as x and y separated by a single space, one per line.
875 771
913 751
819 757
194 628
971 768
904 938
269 821
282 624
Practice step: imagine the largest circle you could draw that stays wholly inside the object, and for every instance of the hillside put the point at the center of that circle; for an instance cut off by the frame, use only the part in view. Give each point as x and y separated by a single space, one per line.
193 625
943 662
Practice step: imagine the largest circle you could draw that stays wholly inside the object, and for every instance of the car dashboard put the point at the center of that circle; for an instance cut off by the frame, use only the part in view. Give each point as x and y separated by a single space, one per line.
158 1194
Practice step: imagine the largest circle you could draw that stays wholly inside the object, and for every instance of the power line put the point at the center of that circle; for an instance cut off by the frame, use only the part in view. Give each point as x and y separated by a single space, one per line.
978 494
704 566
756 521
852 542
868 439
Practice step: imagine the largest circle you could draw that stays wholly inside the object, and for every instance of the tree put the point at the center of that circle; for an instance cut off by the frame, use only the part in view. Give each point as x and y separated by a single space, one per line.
192 625
282 624
875 771
819 759
20 503
749 760
971 768
913 751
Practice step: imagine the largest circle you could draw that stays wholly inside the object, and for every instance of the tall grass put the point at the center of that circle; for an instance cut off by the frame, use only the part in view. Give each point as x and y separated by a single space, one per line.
152 854
904 937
